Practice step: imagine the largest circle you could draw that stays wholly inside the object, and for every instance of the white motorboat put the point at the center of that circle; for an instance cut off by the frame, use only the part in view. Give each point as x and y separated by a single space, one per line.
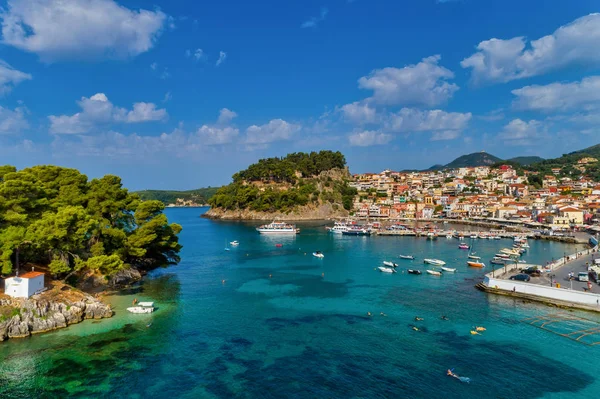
278 228
435 262
386 269
434 272
339 227
234 243
390 264
142 307
449 269
406 257
318 254
474 257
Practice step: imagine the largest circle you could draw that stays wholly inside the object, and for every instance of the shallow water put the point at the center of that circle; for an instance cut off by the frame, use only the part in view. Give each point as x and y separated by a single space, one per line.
264 322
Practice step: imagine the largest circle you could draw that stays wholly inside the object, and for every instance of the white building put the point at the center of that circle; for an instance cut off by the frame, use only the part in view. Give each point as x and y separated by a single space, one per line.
25 285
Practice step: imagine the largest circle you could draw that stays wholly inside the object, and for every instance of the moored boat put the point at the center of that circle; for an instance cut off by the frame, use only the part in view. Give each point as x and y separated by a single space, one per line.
449 269
142 307
434 272
497 261
406 257
386 269
413 271
234 243
476 264
356 231
278 228
435 262
474 257
462 245
318 254
338 227
390 264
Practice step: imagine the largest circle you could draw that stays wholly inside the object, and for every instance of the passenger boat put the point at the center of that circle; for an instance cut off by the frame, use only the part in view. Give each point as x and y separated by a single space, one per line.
435 262
406 257
386 269
278 228
338 227
390 264
462 245
413 271
318 254
448 269
356 231
476 264
434 272
142 307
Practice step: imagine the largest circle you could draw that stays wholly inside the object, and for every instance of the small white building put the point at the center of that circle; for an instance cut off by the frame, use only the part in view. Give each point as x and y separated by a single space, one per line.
25 285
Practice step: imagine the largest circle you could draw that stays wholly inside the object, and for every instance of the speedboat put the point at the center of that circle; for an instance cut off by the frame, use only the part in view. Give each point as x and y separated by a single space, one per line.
234 243
435 262
386 269
448 269
390 264
462 245
413 271
434 272
406 257
318 254
278 228
142 307
476 264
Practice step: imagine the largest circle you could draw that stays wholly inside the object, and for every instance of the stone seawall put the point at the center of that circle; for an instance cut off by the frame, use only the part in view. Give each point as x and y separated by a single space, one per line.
56 308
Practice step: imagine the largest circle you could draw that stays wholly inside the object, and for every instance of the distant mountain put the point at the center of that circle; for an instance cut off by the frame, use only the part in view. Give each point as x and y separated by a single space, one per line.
525 161
470 160
571 158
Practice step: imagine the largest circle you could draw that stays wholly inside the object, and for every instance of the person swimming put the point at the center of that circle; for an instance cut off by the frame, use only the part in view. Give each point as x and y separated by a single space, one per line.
451 373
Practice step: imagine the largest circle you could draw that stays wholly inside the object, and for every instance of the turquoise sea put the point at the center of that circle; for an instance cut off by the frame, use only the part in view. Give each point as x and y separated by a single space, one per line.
260 321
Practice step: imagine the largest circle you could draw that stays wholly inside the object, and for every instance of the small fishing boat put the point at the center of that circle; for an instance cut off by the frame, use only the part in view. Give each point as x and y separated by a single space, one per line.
474 332
503 256
474 257
435 262
448 269
142 307
413 271
386 269
476 264
497 261
434 272
449 236
480 328
318 254
474 237
234 243
431 236
462 245
278 245
390 264
406 257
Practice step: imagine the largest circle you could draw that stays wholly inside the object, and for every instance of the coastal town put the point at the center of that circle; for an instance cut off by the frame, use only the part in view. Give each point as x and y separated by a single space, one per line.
482 192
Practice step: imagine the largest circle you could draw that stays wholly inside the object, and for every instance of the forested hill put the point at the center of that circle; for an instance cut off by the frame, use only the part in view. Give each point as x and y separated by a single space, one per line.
57 218
198 196
283 184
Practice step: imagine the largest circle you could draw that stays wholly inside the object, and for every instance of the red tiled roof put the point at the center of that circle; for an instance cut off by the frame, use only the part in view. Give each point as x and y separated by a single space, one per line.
31 274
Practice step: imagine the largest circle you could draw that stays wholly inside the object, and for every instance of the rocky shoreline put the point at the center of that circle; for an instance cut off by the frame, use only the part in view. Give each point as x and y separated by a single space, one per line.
303 213
58 307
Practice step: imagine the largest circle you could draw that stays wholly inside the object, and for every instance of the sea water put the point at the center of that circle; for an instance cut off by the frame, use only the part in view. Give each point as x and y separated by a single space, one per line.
266 321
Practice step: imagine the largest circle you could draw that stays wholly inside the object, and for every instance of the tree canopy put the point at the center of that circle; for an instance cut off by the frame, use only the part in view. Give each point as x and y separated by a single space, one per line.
56 216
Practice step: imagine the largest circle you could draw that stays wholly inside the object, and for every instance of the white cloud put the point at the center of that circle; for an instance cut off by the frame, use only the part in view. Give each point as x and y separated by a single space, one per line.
213 135
498 60
414 120
424 84
559 96
359 112
369 138
70 29
98 110
167 97
226 116
445 135
222 58
312 22
519 132
275 130
153 66
10 77
12 121
198 54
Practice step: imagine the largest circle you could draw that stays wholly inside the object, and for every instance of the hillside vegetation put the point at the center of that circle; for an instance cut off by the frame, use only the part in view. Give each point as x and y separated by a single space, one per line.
199 196
57 217
282 184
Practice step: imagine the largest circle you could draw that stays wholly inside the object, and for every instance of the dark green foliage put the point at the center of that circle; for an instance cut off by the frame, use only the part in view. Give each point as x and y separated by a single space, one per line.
281 184
200 195
525 161
57 217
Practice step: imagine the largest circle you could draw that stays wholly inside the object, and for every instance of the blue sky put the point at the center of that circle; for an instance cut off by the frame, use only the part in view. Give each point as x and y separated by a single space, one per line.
181 94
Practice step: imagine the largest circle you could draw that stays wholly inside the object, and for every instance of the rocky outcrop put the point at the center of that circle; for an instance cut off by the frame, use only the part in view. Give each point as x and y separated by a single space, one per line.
93 281
308 212
53 309
125 277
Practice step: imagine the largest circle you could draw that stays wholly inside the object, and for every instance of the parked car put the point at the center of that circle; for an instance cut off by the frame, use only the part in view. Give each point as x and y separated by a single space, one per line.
520 277
532 271
583 276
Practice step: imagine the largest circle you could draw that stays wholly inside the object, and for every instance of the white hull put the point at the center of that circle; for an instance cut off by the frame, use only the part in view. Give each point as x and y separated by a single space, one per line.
390 264
316 255
434 273
276 231
386 270
140 309
448 269
435 262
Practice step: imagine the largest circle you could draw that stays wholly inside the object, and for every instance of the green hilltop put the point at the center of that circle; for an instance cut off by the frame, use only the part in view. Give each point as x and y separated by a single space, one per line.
199 196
